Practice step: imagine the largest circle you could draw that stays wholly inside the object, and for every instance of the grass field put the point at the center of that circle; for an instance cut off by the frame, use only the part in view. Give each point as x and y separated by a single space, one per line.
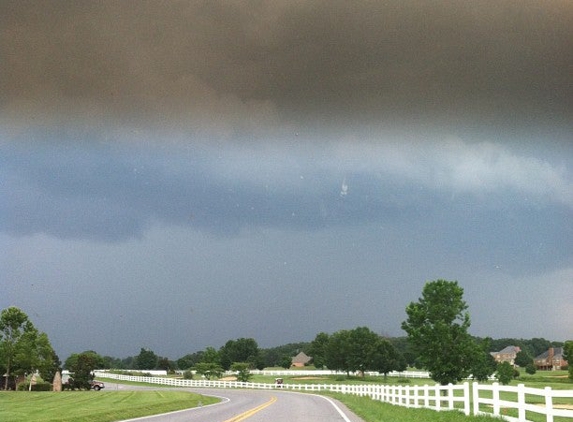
91 406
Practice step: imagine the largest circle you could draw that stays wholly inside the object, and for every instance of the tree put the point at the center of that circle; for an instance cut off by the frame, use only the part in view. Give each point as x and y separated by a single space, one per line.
47 373
337 351
211 355
240 350
437 327
34 352
568 356
189 360
146 359
97 361
285 362
386 358
522 358
23 349
166 364
243 371
209 370
317 350
505 372
82 366
360 350
483 363
12 325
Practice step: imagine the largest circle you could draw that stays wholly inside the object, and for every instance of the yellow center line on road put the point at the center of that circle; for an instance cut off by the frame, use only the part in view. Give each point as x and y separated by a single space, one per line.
251 412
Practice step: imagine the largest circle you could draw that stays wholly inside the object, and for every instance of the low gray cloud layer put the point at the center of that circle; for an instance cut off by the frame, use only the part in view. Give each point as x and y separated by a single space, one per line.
193 172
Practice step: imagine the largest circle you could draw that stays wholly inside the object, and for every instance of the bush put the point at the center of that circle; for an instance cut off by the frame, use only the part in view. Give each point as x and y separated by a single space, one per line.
530 369
188 375
40 386
505 373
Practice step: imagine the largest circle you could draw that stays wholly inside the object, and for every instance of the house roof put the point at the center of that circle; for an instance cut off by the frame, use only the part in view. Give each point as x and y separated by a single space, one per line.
301 358
557 352
509 349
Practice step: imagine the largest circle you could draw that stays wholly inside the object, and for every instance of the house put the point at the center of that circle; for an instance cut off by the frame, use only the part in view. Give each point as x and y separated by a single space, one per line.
507 354
300 360
551 359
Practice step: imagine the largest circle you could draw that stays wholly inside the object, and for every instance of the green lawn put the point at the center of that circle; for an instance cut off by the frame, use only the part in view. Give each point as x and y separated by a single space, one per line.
375 411
91 406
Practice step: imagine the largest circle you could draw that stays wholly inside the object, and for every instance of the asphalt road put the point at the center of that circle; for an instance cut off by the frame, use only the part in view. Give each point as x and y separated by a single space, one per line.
254 406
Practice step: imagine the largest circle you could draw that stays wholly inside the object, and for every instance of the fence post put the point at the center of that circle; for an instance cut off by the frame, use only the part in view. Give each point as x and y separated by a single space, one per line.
521 402
549 404
426 396
438 397
467 398
495 397
450 396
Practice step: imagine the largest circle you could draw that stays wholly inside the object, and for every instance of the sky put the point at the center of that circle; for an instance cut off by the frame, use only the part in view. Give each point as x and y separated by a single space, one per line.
177 174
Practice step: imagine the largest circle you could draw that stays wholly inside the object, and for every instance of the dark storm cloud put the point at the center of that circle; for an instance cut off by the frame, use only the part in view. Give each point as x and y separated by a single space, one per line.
227 68
95 191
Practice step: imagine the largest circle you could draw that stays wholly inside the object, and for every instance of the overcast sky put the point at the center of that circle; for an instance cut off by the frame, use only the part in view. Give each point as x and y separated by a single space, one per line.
177 174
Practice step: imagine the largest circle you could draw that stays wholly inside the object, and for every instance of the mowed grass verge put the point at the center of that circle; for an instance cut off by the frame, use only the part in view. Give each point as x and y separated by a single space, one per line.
375 411
91 406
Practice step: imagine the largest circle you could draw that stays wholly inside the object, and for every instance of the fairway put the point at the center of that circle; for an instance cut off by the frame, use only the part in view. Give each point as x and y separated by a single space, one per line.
89 406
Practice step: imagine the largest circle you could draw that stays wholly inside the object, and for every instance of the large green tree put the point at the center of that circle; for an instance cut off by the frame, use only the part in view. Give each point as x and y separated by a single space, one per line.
23 349
241 350
360 350
437 327
147 359
82 365
386 358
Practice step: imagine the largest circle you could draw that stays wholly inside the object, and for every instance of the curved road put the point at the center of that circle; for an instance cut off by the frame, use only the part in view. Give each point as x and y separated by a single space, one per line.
254 406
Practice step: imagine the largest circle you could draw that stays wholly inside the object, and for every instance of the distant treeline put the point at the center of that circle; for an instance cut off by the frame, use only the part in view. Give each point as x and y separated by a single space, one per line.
272 357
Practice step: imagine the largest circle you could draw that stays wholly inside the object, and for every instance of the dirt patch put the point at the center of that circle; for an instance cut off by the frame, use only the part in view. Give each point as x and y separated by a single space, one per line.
228 379
308 378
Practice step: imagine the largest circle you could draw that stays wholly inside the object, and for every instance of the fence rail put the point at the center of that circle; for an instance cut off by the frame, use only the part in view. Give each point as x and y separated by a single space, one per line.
487 399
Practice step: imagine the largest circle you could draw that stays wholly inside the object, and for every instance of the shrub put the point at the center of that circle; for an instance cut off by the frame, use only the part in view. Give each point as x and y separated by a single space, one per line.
188 374
505 373
40 386
530 369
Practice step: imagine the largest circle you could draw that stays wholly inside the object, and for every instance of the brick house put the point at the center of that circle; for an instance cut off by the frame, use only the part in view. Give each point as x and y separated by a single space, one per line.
507 354
551 359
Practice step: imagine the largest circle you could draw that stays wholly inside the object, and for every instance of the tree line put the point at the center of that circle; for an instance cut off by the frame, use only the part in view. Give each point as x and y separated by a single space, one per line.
437 340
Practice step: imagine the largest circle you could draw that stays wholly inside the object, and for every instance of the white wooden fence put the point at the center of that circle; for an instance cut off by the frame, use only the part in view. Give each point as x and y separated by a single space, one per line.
486 398
523 399
321 372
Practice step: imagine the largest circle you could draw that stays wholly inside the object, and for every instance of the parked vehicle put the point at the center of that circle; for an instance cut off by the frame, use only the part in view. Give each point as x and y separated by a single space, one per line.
97 385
